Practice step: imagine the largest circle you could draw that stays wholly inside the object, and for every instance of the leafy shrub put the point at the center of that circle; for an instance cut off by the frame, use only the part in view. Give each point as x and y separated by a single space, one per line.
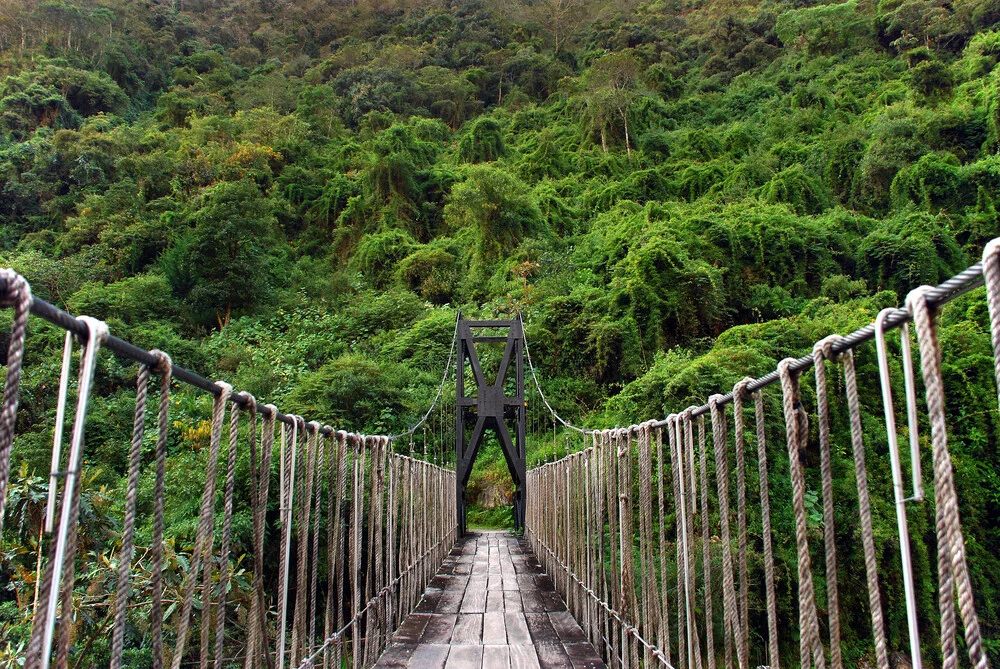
378 254
797 188
934 182
482 142
498 206
908 250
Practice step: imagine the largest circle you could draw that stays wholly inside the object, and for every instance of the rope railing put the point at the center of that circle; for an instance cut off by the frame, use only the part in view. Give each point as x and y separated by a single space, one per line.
621 523
377 522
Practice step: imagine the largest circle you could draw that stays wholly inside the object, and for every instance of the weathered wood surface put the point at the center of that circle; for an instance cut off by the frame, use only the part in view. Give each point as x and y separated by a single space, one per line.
490 607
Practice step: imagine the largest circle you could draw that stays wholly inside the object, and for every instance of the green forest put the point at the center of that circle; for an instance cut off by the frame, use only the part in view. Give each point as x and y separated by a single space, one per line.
298 197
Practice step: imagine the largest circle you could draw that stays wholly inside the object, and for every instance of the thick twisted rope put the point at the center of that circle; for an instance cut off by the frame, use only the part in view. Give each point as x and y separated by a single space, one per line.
663 639
253 624
164 369
706 546
649 612
128 526
14 292
741 516
991 274
227 533
796 433
376 523
308 435
321 461
681 561
339 561
203 540
865 513
731 610
953 568
765 514
356 528
822 351
57 580
332 537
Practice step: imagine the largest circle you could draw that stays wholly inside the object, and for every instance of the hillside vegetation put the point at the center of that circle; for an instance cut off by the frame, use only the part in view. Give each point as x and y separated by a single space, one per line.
298 196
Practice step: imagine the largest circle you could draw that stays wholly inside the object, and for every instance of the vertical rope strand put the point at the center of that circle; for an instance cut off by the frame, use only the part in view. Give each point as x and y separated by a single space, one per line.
227 534
14 292
663 608
741 519
765 514
706 548
822 352
796 431
864 507
955 571
203 540
164 369
730 610
128 526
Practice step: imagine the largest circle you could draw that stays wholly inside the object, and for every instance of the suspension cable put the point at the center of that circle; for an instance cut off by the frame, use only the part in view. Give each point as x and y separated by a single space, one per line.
958 285
534 376
440 390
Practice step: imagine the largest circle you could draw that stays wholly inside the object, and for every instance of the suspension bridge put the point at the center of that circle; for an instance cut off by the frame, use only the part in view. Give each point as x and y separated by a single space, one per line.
645 545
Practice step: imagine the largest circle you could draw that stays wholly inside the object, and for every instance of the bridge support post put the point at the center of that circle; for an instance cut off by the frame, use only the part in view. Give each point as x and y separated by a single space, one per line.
490 408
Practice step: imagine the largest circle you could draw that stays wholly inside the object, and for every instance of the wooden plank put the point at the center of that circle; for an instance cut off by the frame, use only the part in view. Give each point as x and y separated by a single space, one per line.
464 622
429 656
540 628
517 629
465 657
450 601
583 656
428 603
494 601
496 657
494 629
412 628
551 601
566 627
523 657
532 602
439 628
512 601
396 656
475 598
526 582
553 656
468 629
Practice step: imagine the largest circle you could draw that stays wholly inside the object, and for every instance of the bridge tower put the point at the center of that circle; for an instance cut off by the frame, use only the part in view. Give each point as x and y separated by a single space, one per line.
490 408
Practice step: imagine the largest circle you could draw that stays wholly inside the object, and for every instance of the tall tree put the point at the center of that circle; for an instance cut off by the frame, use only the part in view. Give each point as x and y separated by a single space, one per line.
226 260
612 86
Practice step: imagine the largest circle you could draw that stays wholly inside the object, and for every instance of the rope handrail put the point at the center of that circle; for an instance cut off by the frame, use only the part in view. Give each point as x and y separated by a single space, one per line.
53 314
958 285
391 540
600 499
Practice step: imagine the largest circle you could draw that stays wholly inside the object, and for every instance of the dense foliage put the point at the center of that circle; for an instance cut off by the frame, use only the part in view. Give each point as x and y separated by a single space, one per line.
298 197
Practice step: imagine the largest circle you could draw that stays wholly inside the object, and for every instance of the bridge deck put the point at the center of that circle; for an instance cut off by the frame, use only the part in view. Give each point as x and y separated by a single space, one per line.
491 607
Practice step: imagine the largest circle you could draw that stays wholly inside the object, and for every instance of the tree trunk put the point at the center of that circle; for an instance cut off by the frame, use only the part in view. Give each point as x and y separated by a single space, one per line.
628 145
604 140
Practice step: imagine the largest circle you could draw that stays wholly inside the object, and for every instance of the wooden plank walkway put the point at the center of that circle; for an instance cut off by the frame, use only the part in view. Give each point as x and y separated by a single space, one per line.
490 607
